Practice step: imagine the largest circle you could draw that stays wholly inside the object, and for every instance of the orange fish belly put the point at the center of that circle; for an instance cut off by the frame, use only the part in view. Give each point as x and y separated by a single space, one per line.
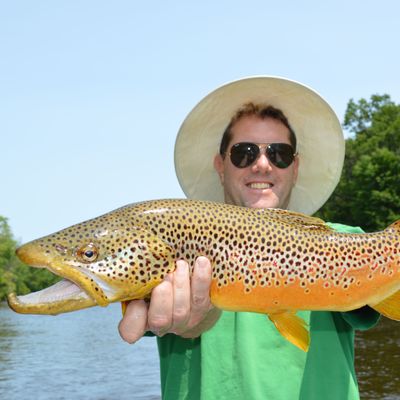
358 289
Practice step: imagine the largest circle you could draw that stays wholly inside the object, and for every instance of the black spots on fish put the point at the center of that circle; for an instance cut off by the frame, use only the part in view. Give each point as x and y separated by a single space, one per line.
249 244
153 268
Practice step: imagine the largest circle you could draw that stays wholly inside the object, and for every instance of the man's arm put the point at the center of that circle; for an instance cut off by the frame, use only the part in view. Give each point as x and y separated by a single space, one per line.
179 305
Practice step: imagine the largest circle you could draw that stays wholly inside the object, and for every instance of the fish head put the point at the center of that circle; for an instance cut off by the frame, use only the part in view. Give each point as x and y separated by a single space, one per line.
102 261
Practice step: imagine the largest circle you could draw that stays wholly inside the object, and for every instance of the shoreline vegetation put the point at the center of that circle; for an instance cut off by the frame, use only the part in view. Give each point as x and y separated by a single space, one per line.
15 276
368 194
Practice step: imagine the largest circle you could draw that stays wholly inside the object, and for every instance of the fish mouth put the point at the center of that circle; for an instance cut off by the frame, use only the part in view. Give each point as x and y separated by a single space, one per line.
63 296
79 289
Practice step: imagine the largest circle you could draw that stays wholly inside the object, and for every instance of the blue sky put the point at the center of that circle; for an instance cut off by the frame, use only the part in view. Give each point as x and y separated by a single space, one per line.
92 93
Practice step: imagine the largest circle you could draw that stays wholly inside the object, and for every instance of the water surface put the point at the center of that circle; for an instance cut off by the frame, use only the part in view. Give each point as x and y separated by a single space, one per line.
74 356
81 356
378 361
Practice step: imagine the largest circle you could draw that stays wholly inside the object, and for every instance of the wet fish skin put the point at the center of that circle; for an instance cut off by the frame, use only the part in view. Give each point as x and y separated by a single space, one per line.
264 260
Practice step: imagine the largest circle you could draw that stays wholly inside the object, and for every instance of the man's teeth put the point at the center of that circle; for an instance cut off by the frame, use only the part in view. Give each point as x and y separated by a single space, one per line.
259 185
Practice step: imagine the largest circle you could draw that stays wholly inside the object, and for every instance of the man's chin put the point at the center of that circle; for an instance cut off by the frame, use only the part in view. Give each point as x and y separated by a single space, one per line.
254 200
262 203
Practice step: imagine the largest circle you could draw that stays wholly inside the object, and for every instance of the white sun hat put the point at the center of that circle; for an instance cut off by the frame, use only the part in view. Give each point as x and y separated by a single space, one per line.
320 141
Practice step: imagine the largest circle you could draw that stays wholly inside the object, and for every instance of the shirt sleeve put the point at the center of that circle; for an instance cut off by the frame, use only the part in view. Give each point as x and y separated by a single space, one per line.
362 318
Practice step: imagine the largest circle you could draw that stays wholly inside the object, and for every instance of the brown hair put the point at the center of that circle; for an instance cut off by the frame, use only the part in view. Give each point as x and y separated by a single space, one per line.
258 110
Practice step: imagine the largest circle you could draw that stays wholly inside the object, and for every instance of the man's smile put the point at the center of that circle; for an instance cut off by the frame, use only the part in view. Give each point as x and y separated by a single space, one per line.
259 185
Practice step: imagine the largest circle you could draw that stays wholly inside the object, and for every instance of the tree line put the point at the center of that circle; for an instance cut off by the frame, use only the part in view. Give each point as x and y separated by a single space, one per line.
368 194
14 275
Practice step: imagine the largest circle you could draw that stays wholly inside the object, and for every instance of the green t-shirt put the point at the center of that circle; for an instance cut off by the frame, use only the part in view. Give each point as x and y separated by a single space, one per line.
244 357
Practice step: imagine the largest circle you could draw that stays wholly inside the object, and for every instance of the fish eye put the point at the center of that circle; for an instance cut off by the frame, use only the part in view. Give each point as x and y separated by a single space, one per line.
88 253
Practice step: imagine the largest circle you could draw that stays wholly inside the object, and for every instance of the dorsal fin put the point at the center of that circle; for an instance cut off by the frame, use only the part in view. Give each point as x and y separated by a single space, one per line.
292 217
395 226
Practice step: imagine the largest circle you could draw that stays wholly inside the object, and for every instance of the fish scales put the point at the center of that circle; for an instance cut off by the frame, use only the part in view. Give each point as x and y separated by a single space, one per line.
263 260
273 249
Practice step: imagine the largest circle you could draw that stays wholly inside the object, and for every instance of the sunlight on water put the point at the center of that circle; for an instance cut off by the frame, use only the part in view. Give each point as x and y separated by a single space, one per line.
74 356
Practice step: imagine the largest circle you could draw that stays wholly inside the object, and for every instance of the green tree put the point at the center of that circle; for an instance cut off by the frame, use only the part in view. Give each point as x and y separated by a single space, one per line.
14 275
368 194
8 260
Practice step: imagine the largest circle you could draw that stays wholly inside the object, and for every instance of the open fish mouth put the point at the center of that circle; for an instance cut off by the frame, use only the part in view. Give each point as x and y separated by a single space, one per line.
60 291
78 289
61 297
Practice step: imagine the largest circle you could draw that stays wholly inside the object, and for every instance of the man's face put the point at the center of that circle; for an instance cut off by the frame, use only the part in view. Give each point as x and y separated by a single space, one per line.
262 184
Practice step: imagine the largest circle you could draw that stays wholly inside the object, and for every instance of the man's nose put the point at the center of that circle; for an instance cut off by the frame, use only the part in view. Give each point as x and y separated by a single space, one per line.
262 163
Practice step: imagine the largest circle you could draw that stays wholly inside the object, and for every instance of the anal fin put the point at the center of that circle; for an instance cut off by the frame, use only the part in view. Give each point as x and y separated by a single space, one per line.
390 307
292 327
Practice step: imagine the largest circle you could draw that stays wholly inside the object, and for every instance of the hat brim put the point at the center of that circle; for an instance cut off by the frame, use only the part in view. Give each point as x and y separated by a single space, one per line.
320 141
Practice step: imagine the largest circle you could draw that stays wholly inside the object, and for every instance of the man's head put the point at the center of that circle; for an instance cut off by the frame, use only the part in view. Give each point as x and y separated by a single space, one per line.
260 177
320 144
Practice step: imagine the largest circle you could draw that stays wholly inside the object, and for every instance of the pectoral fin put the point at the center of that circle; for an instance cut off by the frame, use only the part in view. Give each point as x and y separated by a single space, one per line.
390 307
124 305
292 327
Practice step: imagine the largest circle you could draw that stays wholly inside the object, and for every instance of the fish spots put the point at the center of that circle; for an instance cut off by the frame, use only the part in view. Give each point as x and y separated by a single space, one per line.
140 243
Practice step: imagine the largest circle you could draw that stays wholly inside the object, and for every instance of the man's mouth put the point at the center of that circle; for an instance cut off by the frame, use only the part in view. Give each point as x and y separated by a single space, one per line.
259 185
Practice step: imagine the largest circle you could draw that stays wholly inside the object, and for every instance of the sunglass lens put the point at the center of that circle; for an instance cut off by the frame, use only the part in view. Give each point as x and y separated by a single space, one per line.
280 154
244 154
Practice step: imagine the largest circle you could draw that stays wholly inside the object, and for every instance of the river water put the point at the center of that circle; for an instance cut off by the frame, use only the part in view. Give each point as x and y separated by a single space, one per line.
78 355
81 356
378 361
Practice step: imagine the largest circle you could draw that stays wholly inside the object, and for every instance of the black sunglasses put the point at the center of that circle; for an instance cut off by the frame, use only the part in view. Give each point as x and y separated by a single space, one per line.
244 154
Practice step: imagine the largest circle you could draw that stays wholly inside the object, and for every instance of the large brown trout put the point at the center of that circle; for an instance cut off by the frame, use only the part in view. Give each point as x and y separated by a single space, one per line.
264 260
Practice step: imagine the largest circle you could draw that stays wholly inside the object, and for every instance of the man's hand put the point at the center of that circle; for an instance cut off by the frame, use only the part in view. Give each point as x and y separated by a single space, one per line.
179 305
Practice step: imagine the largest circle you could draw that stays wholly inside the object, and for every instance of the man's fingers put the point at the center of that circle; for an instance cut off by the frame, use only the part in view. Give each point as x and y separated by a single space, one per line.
179 304
181 309
200 290
133 324
161 306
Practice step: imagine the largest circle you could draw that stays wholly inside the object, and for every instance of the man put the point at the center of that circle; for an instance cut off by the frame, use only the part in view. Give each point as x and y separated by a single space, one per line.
259 165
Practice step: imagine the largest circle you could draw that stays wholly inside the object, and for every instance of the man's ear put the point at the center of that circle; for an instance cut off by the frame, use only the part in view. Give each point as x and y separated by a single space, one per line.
219 167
